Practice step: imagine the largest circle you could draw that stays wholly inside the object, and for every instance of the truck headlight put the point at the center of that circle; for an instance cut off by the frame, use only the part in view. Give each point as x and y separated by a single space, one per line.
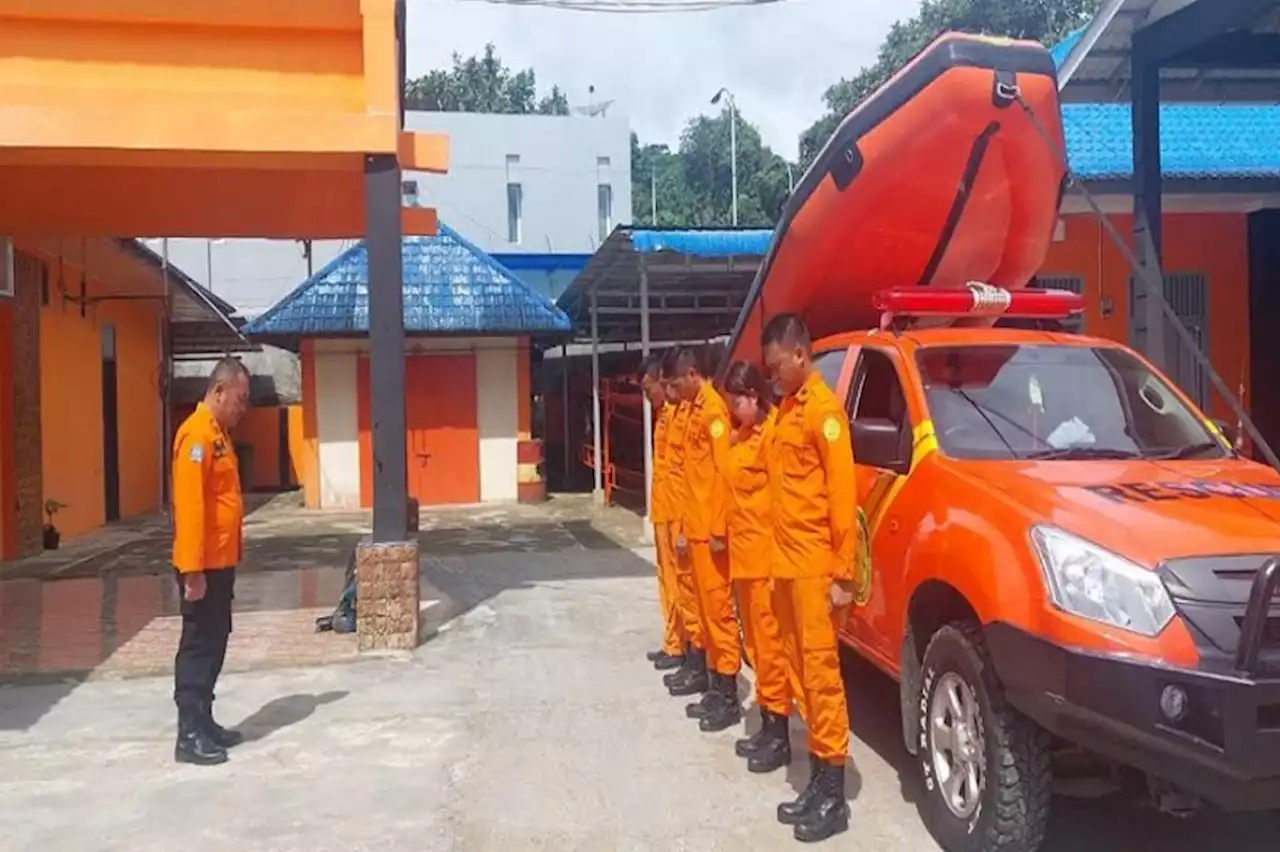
1085 580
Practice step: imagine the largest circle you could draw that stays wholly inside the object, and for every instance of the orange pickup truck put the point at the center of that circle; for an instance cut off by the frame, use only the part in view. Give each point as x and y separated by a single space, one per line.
1059 548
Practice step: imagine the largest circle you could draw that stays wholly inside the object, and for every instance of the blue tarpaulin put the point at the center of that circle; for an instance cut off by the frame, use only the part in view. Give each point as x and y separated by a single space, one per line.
702 243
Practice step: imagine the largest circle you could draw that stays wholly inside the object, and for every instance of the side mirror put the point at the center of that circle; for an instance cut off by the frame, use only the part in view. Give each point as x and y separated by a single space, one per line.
1228 431
878 442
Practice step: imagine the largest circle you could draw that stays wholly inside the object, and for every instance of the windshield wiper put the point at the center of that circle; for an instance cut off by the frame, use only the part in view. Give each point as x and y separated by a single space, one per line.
1189 451
1084 454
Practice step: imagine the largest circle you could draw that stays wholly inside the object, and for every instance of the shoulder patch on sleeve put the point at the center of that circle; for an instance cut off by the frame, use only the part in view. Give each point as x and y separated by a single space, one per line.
196 453
831 428
717 428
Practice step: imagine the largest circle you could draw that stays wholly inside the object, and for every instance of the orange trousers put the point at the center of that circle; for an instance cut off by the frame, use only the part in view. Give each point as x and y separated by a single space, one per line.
673 632
687 602
715 598
764 644
803 609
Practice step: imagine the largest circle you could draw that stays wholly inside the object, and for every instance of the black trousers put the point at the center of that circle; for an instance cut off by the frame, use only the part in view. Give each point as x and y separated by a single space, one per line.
206 625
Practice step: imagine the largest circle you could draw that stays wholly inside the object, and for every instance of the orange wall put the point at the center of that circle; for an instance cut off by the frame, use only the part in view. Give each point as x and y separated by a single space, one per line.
71 409
1215 244
260 429
306 439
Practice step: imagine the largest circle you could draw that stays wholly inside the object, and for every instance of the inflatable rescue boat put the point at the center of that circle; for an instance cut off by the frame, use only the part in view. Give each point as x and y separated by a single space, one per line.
951 172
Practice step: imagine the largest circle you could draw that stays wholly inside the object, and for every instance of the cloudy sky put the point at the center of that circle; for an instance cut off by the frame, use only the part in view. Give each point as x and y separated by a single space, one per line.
662 69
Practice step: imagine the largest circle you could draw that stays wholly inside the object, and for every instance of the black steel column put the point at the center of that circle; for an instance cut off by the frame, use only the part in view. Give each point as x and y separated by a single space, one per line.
386 344
1148 210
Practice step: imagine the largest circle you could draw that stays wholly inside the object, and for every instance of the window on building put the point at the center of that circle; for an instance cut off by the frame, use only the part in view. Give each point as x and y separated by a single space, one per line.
604 203
515 212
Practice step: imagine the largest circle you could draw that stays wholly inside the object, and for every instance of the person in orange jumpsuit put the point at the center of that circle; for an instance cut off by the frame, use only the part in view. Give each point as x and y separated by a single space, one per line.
750 552
691 677
811 476
671 655
208 515
702 536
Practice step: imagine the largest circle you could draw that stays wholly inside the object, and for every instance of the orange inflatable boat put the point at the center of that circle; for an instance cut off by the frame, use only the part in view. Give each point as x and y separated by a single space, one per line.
951 172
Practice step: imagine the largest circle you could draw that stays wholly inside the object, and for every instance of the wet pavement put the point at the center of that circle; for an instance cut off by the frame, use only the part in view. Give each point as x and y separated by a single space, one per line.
107 606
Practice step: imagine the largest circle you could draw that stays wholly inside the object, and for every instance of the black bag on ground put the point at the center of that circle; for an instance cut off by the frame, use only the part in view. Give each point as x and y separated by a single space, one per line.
343 619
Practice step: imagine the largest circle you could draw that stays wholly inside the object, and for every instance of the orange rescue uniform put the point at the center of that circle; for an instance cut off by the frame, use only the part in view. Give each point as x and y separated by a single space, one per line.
677 496
673 633
750 551
208 511
812 481
702 519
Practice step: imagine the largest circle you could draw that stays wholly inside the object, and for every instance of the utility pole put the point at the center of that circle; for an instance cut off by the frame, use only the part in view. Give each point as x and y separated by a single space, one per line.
733 144
653 194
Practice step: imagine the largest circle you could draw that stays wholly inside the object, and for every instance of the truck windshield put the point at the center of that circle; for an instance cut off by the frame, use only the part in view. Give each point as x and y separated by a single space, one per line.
1056 402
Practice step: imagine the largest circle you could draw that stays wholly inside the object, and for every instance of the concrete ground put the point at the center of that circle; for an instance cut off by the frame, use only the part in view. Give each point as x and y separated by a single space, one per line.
529 720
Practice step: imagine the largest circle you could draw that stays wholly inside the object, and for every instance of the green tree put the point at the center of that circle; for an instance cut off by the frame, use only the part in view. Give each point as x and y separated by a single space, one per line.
482 84
695 183
1047 21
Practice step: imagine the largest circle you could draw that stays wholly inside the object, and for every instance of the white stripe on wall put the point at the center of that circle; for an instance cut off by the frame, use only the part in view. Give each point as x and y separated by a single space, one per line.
338 430
497 423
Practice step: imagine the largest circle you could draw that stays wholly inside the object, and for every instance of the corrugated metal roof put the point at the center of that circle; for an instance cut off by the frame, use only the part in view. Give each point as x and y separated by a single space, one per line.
450 287
1196 140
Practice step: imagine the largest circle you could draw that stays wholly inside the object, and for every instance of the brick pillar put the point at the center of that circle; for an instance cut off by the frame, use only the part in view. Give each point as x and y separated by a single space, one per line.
387 611
28 467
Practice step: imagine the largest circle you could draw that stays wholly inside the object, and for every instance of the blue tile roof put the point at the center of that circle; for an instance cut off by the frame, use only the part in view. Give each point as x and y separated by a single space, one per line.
450 287
1196 140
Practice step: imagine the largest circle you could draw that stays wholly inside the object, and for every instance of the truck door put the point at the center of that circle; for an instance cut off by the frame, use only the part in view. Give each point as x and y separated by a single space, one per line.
882 431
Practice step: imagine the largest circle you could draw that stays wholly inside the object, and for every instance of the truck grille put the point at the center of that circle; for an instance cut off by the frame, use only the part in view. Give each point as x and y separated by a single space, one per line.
1211 593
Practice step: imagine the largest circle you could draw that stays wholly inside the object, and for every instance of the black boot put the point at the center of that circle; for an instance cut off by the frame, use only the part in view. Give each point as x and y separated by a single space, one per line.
828 814
695 677
654 656
724 711
666 661
224 737
195 745
790 813
773 750
683 670
699 708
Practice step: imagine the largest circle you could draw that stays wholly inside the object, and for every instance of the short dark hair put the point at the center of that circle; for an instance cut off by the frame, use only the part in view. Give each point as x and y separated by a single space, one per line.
744 378
224 372
680 359
786 330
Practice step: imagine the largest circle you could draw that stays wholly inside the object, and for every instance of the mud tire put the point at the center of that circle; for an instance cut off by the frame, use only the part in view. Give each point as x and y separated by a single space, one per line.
1013 807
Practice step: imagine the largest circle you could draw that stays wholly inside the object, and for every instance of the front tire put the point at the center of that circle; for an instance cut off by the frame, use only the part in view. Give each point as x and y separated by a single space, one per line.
986 767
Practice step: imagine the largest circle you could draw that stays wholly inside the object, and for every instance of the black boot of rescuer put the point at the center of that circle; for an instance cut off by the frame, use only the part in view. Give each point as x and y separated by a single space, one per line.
774 749
699 708
724 711
671 677
828 814
790 813
654 656
225 737
196 746
666 662
695 678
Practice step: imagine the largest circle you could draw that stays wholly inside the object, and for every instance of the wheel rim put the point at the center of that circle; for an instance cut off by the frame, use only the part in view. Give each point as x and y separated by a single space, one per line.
956 745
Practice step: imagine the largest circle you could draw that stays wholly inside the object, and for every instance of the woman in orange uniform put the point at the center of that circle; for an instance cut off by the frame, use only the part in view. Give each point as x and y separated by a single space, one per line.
750 551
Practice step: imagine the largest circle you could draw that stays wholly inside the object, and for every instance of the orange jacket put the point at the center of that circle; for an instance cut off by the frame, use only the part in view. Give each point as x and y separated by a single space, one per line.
677 488
208 512
749 520
812 481
706 455
660 511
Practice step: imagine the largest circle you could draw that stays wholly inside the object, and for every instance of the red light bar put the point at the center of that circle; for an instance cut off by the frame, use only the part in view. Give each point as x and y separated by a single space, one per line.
979 300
